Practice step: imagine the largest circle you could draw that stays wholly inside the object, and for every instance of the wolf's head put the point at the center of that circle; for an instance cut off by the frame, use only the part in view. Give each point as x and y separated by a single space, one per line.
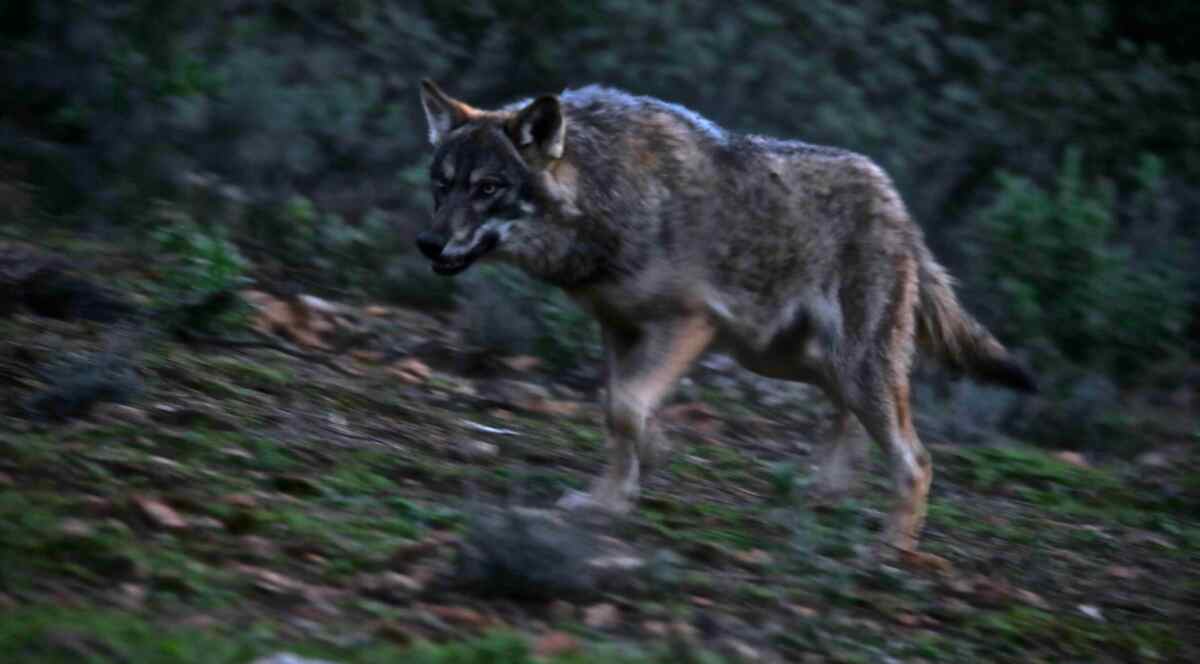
483 174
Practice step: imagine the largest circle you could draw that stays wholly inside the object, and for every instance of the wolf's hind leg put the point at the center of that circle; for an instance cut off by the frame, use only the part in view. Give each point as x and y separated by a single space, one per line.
642 369
885 415
844 454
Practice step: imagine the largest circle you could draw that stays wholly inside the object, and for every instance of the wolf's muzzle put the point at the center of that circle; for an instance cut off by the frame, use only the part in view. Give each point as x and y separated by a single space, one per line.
431 244
434 246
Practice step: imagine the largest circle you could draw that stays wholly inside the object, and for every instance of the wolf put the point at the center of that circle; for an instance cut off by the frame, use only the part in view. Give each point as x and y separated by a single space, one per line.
678 236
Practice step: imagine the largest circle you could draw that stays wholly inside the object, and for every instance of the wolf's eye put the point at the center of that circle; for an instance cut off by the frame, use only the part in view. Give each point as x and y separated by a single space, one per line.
488 188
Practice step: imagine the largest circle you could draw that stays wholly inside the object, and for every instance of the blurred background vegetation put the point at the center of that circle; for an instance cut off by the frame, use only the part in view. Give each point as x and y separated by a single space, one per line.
1050 150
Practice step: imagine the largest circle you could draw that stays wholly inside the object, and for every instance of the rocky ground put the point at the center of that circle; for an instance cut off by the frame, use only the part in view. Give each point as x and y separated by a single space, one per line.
349 485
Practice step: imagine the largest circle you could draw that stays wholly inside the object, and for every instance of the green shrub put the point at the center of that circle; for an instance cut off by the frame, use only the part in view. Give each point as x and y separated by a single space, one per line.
1059 272
407 279
506 311
198 266
196 259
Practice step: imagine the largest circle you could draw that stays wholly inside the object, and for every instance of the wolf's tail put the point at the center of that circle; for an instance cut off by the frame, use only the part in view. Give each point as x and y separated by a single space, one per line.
945 328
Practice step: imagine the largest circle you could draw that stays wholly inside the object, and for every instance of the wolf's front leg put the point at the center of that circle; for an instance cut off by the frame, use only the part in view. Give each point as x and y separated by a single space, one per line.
643 366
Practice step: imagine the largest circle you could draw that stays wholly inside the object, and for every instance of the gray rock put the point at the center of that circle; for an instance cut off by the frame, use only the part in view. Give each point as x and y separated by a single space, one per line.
546 554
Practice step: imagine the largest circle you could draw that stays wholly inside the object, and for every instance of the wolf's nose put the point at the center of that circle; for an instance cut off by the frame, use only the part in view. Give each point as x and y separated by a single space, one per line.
430 244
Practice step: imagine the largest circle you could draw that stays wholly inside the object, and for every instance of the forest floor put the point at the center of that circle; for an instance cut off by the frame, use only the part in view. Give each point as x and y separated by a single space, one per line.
243 501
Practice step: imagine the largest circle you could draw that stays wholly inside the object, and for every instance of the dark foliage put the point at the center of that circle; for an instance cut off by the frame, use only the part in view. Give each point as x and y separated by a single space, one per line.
75 386
287 138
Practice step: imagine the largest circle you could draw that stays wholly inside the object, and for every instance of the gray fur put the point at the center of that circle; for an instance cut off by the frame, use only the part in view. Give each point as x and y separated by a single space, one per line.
678 235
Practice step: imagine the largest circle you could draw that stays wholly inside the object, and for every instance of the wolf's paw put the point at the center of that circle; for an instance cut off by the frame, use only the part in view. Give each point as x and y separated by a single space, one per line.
578 500
655 454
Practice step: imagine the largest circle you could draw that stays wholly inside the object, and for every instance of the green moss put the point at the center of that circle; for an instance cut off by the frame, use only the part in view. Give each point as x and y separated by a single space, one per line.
254 373
1020 629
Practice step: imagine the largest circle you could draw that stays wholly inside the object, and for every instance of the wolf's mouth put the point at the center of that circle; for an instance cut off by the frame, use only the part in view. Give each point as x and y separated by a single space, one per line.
452 265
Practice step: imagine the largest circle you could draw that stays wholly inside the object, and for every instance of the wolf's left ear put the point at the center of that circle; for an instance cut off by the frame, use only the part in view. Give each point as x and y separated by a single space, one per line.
443 112
540 126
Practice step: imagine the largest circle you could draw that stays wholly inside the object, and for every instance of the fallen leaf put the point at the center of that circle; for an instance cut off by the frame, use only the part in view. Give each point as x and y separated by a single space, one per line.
740 650
389 585
460 615
521 362
237 453
76 529
97 506
992 592
695 415
123 413
1145 537
701 601
754 558
205 523
1153 459
411 551
475 450
1031 598
366 356
683 630
423 574
243 500
258 548
1072 458
527 396
908 619
655 628
411 370
806 612
552 407
1123 572
920 560
199 621
132 595
601 616
555 644
275 583
952 608
377 311
159 513
302 319
959 585
314 304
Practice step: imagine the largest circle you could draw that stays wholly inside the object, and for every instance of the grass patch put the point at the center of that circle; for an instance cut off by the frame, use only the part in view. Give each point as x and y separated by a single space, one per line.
1020 629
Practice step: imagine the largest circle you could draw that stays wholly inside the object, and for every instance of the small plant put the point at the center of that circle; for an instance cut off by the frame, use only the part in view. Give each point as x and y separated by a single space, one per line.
1065 274
198 259
506 311
199 268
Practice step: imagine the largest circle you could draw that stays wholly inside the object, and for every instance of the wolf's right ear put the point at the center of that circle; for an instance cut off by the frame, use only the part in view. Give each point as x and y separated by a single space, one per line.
442 112
540 126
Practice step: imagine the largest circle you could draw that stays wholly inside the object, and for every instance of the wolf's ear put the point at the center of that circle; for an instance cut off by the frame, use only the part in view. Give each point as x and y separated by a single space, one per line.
443 112
540 126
